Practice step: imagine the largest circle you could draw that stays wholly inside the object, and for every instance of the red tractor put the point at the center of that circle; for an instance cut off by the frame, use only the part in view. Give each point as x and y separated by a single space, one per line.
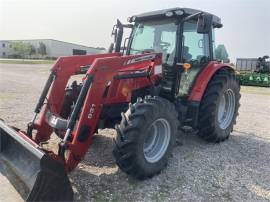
165 78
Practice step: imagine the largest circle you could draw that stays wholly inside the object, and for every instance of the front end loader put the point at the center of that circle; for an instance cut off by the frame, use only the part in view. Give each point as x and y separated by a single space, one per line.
162 79
45 173
39 171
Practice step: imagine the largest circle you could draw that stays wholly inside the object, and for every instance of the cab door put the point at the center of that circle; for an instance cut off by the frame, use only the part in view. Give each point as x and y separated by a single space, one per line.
195 50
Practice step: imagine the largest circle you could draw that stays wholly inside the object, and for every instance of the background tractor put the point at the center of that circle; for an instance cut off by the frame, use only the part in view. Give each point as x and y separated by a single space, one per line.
161 79
254 72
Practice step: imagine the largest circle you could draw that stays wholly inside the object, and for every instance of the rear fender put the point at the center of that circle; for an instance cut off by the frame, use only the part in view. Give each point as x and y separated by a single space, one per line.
203 79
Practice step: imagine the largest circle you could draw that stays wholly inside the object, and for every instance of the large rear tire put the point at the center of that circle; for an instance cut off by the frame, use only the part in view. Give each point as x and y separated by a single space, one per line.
219 107
145 137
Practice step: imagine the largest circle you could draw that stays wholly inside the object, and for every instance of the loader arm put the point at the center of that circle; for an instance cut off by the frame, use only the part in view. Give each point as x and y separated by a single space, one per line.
63 69
110 79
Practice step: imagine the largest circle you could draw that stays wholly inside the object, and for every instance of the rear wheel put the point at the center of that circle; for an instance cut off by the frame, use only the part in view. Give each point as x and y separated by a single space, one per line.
145 137
219 107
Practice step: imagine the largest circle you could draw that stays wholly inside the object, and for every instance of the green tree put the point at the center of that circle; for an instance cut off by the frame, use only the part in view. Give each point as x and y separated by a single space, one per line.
22 49
32 50
221 53
42 49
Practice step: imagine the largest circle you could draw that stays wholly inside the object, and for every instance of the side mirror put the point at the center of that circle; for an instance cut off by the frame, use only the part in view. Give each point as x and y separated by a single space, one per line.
204 23
110 49
114 32
119 36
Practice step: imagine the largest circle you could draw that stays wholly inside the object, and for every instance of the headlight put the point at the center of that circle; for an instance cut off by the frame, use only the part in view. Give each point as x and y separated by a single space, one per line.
179 12
169 14
133 18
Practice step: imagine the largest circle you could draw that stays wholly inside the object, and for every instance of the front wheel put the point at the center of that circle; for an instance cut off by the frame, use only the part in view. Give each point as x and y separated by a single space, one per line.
145 137
219 107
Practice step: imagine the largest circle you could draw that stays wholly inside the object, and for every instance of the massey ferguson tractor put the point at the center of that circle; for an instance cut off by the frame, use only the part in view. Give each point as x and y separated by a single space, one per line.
162 79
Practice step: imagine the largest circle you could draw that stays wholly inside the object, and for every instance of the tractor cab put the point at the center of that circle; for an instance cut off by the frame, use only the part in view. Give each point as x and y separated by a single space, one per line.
185 38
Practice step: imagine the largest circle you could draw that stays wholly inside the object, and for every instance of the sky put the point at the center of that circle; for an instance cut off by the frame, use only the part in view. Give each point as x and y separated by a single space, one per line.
245 32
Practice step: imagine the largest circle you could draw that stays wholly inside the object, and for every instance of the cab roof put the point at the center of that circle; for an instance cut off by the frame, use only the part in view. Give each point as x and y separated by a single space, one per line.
161 13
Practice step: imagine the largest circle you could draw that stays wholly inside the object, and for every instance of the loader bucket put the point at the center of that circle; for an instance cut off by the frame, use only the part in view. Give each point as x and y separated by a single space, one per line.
44 178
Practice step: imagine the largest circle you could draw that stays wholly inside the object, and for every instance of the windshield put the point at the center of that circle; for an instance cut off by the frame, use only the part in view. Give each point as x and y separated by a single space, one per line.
155 36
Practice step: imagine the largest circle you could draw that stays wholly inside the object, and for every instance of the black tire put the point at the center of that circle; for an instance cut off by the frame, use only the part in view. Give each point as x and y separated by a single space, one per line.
209 126
132 132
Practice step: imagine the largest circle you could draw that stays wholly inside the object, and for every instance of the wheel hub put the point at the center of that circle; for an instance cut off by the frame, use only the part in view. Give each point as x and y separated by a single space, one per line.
157 141
226 109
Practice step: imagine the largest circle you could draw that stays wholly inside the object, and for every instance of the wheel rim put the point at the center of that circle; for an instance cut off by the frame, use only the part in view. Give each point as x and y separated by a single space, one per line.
226 109
157 141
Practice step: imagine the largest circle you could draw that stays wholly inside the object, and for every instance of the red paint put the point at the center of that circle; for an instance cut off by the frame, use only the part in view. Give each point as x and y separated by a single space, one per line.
203 79
103 67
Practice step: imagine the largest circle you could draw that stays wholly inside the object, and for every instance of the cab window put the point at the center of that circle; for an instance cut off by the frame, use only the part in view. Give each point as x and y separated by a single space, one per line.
195 45
155 36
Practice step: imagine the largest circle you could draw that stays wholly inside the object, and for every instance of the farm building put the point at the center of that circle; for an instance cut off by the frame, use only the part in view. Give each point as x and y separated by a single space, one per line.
43 48
247 64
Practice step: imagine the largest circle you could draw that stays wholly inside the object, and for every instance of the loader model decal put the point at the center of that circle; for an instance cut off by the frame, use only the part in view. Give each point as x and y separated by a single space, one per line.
140 59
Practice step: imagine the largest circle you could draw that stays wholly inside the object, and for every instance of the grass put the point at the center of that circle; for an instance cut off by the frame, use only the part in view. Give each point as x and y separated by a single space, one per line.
10 61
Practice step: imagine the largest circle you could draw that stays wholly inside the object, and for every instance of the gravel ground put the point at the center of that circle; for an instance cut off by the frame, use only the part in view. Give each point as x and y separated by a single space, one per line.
235 170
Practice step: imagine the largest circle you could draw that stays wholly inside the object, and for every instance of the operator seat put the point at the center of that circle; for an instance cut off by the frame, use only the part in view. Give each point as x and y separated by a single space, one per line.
169 77
186 55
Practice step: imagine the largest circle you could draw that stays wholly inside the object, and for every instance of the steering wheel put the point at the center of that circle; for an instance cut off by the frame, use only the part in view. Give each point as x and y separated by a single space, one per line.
204 60
194 62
